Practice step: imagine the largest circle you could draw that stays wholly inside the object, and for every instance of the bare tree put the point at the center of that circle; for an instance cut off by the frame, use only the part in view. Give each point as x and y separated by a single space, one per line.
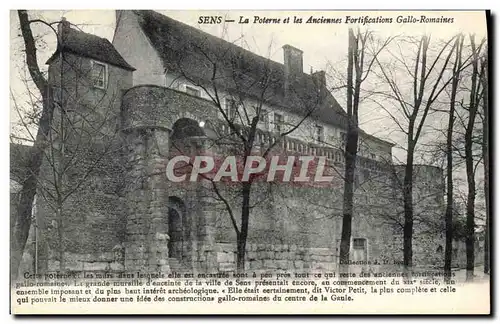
351 149
449 159
363 48
474 102
29 186
239 94
362 53
74 137
80 142
486 161
428 82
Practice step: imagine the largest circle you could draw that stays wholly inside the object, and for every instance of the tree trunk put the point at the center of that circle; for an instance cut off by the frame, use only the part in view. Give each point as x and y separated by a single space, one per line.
60 238
242 236
449 162
350 163
23 219
449 194
469 163
350 169
28 190
486 165
470 223
408 211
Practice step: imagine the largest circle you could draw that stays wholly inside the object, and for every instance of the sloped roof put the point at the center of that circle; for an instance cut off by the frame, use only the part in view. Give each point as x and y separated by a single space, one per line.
19 161
363 133
195 54
91 46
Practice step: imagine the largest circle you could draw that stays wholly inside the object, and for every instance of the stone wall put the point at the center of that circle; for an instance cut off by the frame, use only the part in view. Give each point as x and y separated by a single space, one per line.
306 217
149 116
80 202
160 107
98 261
291 226
269 257
311 218
92 218
146 225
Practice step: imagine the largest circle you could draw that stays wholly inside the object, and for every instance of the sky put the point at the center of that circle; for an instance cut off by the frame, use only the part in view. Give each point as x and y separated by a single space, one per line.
324 46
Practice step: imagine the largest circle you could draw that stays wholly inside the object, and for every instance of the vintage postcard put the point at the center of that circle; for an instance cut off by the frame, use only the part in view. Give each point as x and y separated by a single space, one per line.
249 162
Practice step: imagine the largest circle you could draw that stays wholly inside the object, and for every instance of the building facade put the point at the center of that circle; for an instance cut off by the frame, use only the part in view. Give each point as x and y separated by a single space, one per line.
163 88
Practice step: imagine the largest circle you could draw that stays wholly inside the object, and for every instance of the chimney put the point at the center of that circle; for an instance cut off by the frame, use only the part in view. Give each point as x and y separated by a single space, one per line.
294 66
62 29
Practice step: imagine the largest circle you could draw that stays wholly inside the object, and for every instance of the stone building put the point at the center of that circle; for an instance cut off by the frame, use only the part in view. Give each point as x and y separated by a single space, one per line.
158 89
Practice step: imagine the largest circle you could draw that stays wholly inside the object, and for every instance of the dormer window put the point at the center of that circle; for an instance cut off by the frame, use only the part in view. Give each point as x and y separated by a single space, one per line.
279 121
264 118
193 91
320 134
343 139
99 75
231 108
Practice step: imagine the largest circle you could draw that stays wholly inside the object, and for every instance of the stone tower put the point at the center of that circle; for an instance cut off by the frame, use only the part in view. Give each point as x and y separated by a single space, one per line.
80 220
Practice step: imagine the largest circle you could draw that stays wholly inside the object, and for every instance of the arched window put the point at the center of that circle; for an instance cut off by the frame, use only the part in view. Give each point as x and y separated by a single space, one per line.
178 227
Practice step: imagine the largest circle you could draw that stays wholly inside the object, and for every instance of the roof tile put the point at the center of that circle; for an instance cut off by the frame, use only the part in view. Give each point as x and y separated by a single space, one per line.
195 54
91 46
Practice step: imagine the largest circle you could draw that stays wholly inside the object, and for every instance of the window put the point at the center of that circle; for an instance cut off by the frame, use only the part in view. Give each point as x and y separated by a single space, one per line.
360 252
192 91
264 118
343 138
320 134
230 107
279 121
99 75
373 156
358 243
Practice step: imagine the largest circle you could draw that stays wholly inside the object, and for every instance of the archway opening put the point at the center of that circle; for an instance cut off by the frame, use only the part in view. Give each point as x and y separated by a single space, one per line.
186 127
185 137
177 227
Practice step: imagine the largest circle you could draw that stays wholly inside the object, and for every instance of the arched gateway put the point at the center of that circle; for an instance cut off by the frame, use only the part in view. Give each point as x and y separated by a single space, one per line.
167 227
